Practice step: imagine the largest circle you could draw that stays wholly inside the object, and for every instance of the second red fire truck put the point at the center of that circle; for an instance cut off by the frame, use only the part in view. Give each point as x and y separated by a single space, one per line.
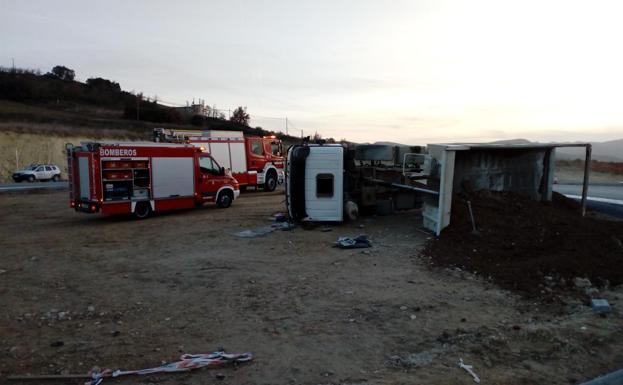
141 178
253 160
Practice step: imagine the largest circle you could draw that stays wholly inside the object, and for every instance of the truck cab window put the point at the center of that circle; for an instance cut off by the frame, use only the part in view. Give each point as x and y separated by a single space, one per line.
256 147
324 185
275 148
207 165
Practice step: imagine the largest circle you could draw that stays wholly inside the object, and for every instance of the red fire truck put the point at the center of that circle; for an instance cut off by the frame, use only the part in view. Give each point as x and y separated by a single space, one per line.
253 160
141 178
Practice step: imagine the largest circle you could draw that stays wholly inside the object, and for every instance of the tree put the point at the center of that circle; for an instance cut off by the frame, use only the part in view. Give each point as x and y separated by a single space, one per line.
103 84
240 116
63 73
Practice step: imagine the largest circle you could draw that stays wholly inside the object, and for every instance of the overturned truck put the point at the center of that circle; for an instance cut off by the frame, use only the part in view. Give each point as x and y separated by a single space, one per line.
331 182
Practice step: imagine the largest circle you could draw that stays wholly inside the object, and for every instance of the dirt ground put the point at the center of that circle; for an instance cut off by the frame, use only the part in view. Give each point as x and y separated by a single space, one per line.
122 293
564 246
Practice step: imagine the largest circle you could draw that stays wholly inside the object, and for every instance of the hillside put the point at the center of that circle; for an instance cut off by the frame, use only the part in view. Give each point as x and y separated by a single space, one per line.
27 97
610 151
40 113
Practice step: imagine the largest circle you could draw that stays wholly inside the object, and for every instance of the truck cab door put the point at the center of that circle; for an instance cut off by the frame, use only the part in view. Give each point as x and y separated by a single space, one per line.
255 153
268 150
208 177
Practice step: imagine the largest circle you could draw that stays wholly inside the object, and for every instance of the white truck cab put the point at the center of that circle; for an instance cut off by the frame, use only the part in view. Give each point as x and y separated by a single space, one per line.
315 182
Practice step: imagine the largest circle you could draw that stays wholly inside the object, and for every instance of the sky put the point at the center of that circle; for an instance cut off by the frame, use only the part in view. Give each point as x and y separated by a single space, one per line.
414 72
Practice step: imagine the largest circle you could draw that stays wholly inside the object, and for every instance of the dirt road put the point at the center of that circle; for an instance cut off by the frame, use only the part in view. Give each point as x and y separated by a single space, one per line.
121 293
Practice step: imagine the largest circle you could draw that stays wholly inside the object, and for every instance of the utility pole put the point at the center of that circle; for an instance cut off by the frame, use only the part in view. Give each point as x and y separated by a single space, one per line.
13 65
138 106
286 125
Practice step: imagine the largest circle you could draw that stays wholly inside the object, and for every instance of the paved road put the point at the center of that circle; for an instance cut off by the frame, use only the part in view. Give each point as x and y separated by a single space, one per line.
604 198
32 186
601 191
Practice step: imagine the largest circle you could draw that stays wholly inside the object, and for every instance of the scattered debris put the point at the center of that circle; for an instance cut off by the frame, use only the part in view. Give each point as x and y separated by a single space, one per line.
358 242
469 369
254 233
600 306
57 344
284 226
591 292
582 283
280 217
187 362
326 229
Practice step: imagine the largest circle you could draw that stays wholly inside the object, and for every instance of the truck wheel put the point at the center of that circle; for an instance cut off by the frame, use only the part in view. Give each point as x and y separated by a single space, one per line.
224 199
56 178
31 178
271 181
142 210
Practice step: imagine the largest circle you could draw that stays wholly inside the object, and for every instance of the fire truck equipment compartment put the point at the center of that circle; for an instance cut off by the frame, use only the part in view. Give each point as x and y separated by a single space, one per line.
172 177
83 169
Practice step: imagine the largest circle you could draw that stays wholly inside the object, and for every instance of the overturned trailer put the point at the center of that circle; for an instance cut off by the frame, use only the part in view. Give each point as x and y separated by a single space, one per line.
331 182
526 168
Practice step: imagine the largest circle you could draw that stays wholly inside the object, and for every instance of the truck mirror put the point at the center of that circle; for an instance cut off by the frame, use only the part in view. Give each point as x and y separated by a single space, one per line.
222 171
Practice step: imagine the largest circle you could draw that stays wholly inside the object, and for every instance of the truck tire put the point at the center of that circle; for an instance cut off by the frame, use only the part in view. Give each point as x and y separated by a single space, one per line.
142 210
224 199
271 181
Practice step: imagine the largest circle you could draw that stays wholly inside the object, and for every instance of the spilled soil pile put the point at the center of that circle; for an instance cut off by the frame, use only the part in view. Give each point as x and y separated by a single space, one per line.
529 246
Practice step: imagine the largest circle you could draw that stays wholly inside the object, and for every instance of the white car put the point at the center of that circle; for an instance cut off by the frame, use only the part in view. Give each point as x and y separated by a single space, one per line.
38 172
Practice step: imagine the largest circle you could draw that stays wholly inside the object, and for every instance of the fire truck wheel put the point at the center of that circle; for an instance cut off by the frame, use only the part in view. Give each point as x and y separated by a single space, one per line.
271 181
142 210
224 199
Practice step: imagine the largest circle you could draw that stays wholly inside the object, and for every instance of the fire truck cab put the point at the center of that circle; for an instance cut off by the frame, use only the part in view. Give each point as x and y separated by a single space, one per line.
141 178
